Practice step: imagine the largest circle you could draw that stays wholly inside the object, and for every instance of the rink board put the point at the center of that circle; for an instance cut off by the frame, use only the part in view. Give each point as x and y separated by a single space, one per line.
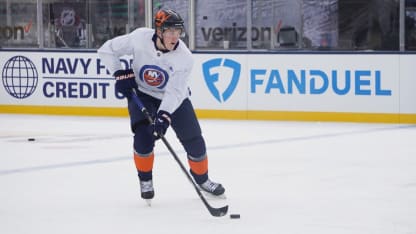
311 87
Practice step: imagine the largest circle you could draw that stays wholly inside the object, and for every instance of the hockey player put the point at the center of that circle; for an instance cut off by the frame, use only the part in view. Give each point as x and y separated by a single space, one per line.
160 71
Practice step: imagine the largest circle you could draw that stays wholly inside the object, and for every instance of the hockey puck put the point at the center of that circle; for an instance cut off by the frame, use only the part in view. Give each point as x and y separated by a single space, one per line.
234 216
30 139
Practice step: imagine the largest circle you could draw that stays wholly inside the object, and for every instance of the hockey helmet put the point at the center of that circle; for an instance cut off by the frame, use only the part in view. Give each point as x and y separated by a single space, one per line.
168 19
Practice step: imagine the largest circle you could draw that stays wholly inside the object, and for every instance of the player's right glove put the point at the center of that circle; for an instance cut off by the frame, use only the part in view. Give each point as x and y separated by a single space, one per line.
125 82
162 122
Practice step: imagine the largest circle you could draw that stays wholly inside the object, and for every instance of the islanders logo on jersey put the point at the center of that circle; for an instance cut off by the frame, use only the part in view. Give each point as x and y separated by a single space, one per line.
154 76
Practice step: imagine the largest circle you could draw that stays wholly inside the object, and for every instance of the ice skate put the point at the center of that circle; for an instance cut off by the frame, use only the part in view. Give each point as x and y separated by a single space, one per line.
147 192
213 189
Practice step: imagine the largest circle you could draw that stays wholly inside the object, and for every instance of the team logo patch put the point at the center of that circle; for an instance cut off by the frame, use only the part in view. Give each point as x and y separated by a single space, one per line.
154 76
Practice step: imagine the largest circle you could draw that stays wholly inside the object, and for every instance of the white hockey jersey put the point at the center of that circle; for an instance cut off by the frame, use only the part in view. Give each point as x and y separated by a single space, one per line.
161 75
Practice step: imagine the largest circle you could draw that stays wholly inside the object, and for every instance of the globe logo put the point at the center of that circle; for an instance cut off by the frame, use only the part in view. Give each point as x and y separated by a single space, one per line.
20 77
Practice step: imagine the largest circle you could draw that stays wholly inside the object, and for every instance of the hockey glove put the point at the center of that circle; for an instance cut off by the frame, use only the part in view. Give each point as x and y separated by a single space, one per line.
162 123
125 82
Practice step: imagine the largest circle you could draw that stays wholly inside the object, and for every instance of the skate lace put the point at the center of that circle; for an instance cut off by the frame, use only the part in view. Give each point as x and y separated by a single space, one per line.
146 186
209 185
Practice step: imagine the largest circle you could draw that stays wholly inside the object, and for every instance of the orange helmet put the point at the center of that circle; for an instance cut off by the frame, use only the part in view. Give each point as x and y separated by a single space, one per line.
168 19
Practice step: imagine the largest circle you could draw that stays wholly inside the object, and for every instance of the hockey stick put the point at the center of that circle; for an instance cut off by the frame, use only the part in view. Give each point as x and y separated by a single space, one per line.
217 212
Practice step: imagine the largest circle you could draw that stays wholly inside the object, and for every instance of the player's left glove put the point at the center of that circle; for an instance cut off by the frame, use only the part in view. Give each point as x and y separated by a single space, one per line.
162 123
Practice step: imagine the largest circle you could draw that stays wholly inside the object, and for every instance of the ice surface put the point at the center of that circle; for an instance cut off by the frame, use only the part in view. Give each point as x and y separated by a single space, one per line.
78 176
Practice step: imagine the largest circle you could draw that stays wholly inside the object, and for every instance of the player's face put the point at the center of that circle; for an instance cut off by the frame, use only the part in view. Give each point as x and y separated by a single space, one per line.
171 37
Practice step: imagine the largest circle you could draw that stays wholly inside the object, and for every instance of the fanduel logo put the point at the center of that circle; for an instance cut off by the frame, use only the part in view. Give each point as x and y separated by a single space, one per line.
212 78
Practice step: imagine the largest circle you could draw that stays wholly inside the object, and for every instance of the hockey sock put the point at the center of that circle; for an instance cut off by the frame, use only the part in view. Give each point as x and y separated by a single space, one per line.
199 168
144 165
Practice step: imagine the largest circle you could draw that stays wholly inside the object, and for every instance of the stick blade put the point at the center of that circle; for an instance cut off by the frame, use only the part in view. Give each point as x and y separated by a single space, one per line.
218 212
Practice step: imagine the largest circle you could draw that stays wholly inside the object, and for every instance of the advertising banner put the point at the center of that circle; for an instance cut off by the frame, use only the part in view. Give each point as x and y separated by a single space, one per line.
283 82
57 79
372 84
324 83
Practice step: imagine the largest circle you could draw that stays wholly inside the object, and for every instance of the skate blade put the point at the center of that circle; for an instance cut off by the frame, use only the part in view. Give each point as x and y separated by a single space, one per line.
148 202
